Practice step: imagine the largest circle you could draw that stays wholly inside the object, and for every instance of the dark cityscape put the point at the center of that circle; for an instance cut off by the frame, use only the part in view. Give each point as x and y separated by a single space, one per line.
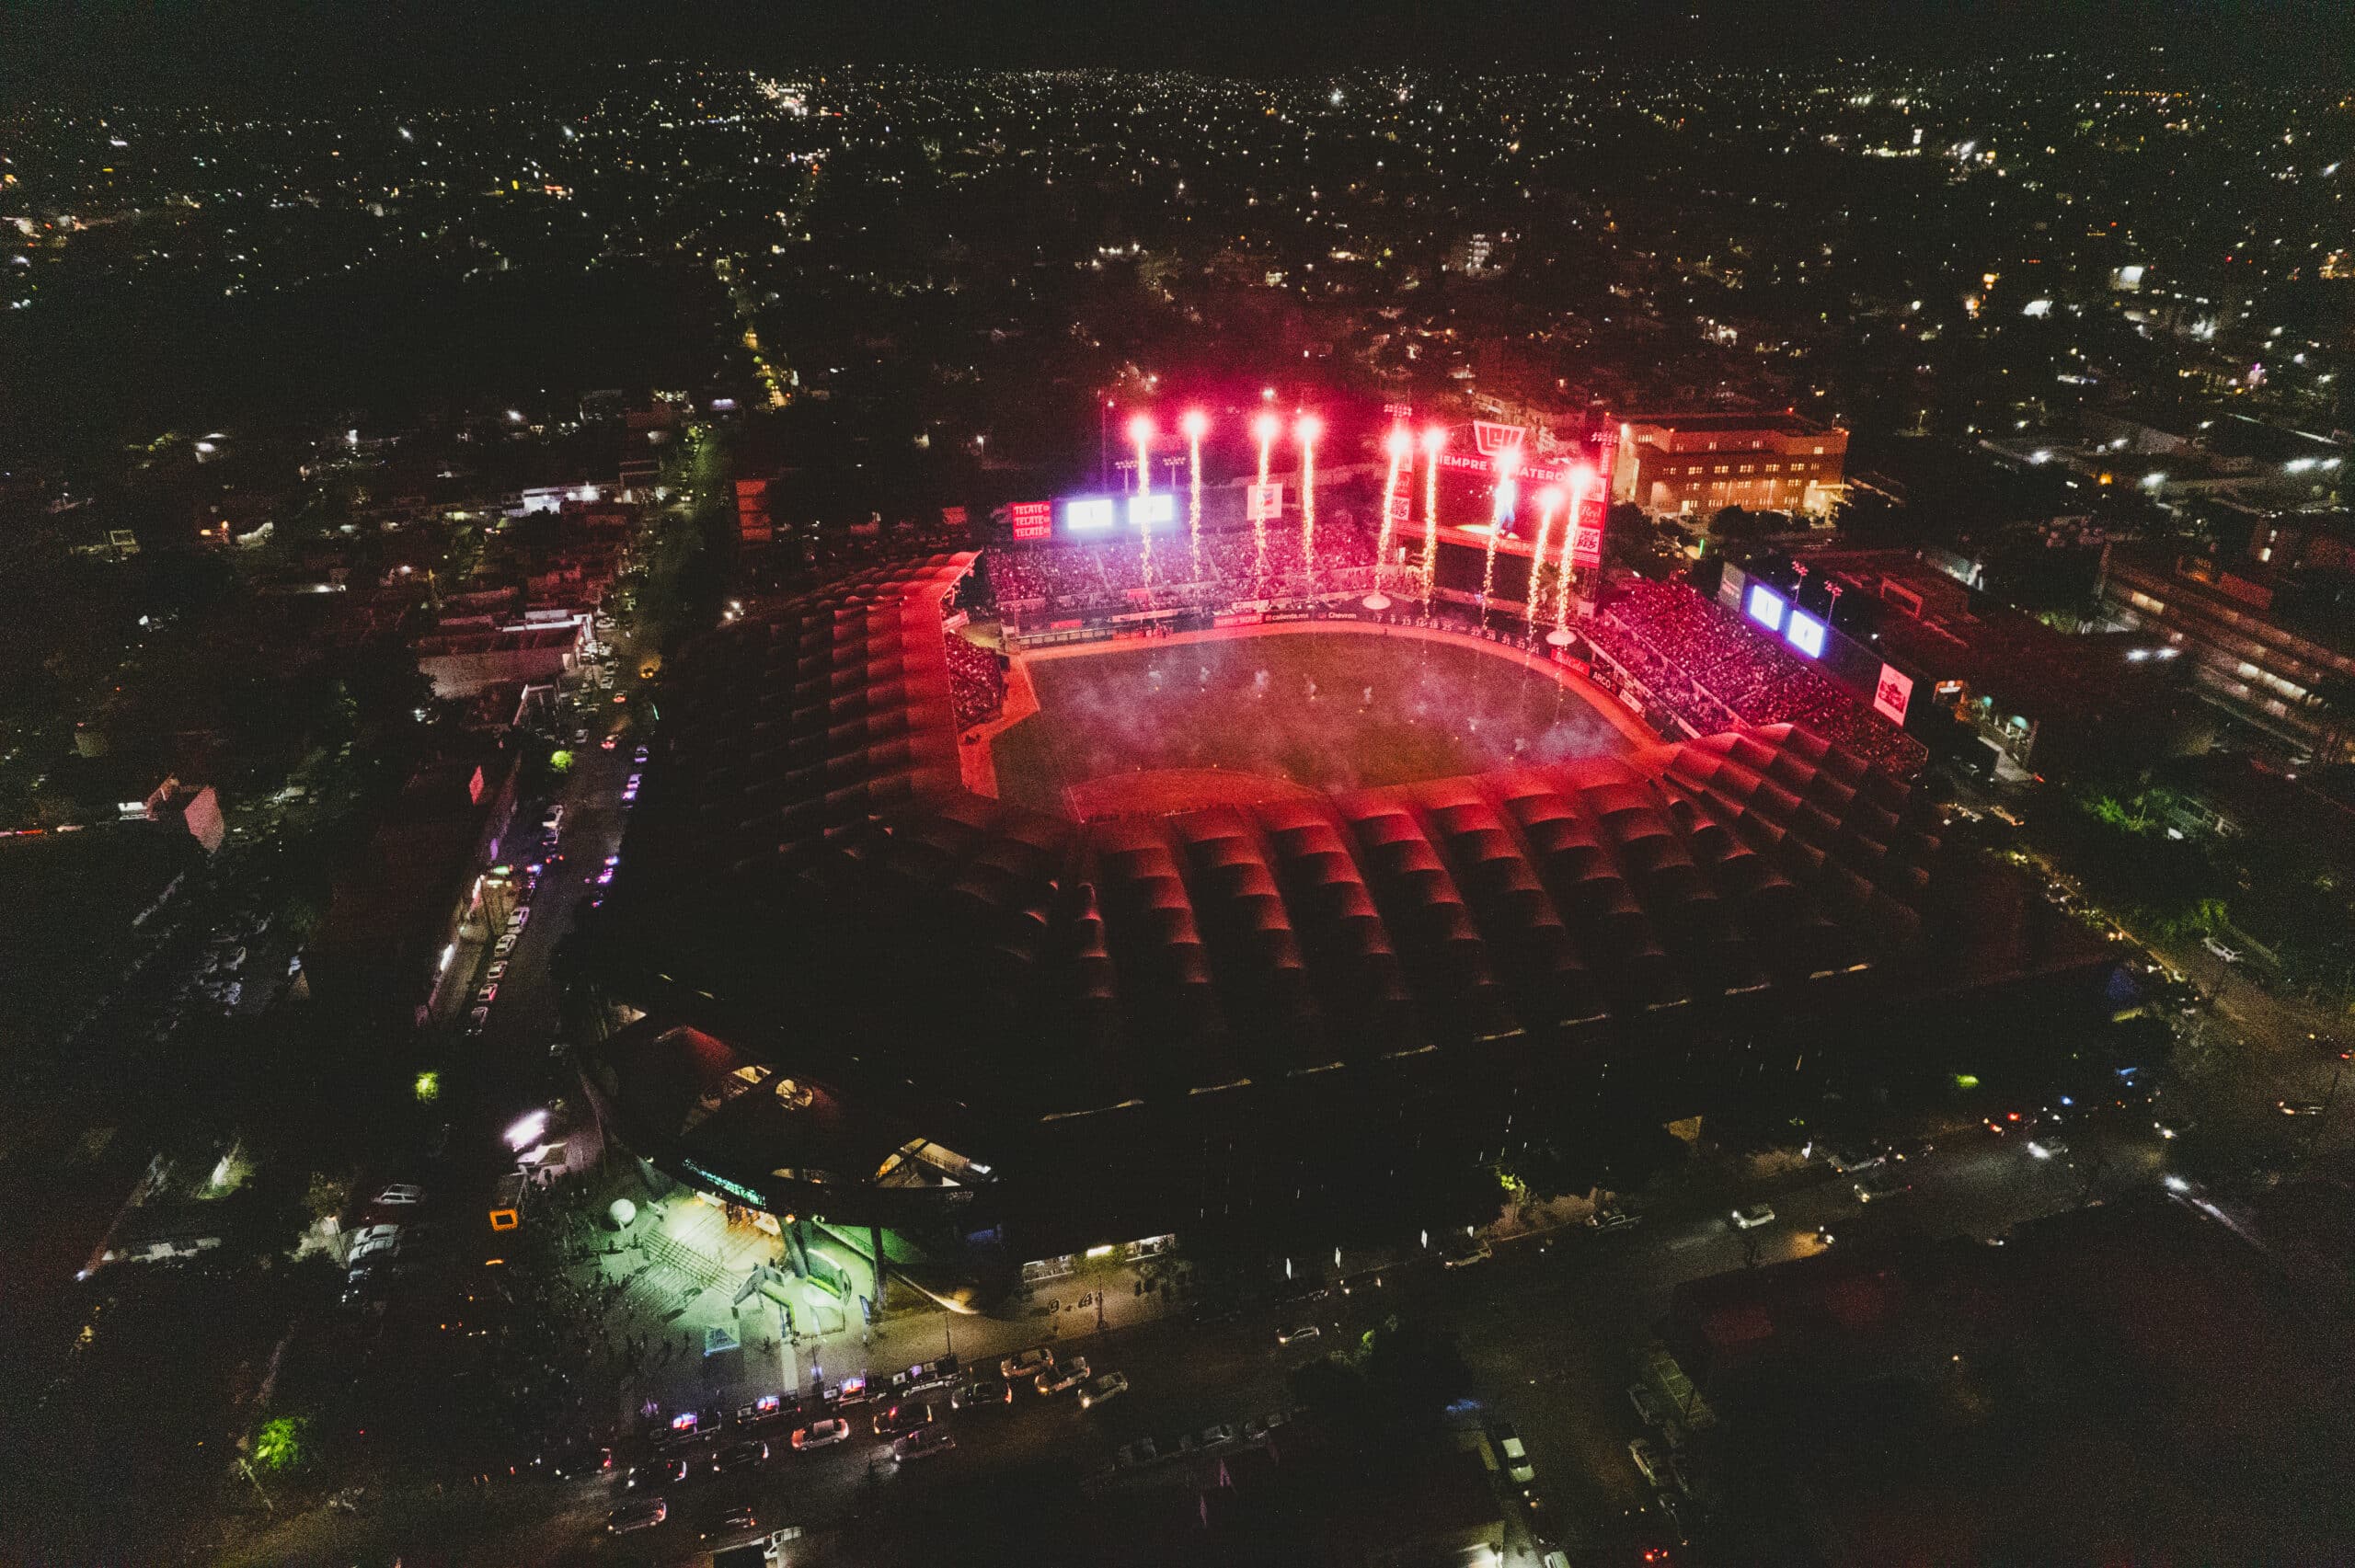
1392 787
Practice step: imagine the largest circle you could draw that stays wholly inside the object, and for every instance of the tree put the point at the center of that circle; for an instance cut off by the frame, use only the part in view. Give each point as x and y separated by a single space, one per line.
282 1443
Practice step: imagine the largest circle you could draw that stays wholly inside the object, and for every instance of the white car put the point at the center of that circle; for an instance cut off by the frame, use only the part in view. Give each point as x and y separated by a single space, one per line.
1295 1335
2230 955
1753 1217
1101 1387
822 1434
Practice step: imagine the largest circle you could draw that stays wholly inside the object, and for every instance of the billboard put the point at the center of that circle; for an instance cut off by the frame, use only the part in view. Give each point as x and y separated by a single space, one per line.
1491 441
1263 503
1030 520
1586 539
1805 632
1401 509
1893 693
1155 508
1764 606
1089 514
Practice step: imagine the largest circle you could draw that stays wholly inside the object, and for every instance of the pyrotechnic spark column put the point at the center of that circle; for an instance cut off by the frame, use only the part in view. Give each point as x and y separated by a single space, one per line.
1264 428
1550 501
1402 448
1141 432
1306 431
1560 635
1194 424
1434 441
1508 465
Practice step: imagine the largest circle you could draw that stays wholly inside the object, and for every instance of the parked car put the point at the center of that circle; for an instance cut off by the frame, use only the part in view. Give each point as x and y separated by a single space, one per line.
1884 1183
1514 1454
505 945
735 1522
742 1455
898 1420
477 1020
1101 1387
1608 1220
926 1443
821 1433
1752 1216
1649 1463
1258 1426
1063 1375
1219 1435
1024 1365
1845 1158
2299 1107
982 1393
1648 1408
642 1515
1142 1452
1295 1335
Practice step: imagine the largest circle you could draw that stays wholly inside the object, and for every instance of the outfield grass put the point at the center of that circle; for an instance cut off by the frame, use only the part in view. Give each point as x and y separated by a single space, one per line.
1436 710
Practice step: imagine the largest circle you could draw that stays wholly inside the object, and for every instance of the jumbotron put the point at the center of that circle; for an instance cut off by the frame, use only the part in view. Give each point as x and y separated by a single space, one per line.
1275 854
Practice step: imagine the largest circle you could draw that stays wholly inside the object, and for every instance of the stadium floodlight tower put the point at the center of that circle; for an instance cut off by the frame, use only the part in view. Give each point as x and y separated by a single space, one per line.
1402 452
1264 429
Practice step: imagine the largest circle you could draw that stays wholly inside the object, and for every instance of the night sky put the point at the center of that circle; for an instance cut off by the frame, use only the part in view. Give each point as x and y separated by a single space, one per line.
102 49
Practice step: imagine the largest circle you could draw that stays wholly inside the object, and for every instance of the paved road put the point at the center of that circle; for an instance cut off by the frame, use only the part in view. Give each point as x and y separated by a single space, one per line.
1548 1327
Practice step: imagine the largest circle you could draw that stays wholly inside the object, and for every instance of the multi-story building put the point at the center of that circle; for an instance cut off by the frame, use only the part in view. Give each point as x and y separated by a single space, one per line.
1700 463
2259 648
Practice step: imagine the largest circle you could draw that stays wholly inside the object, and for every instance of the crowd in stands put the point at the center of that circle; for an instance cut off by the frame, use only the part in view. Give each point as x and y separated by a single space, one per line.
976 682
1124 574
1700 658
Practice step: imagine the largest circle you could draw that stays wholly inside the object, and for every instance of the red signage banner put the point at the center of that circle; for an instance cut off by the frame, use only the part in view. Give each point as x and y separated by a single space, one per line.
1893 693
1586 543
1030 520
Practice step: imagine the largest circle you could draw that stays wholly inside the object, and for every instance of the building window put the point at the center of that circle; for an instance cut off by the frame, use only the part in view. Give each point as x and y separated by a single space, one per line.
1750 468
1720 468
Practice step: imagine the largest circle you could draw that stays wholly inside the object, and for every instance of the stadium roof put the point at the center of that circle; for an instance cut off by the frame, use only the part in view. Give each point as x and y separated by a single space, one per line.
808 876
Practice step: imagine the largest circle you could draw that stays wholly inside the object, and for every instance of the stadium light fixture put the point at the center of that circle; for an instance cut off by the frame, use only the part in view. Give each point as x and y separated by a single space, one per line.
1266 429
1402 444
1308 430
1196 424
1434 440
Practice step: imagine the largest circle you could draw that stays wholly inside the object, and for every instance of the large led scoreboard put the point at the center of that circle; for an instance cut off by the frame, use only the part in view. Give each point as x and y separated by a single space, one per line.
1770 610
1090 517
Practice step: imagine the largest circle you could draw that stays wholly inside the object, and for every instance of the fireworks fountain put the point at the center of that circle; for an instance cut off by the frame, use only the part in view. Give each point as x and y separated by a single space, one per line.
1264 429
1402 449
1434 443
1581 479
1550 501
1141 432
1305 431
1194 424
1508 465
